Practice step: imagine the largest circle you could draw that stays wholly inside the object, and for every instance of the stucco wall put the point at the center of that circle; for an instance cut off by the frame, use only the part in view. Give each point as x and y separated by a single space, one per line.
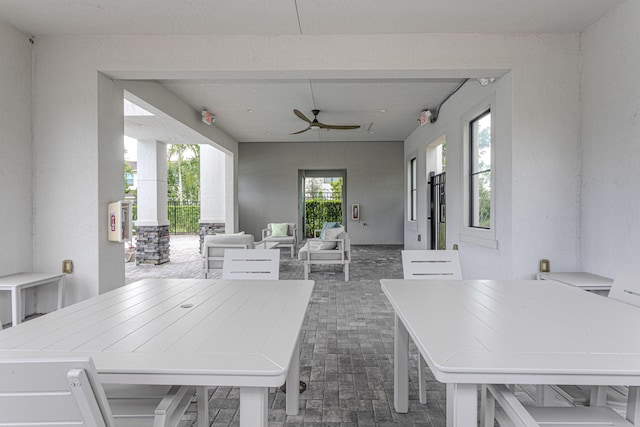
537 164
610 133
71 171
268 185
15 157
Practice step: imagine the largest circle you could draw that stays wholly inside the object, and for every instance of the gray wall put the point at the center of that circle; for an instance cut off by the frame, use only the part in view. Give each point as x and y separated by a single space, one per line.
268 185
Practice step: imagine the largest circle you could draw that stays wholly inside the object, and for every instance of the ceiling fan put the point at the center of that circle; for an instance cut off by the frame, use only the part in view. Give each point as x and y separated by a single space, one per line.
315 124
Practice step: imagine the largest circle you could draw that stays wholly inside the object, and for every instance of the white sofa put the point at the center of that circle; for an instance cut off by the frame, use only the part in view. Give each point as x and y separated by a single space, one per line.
320 251
213 249
290 240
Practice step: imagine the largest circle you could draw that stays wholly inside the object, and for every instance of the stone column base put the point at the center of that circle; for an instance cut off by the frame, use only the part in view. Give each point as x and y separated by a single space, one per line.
210 228
152 244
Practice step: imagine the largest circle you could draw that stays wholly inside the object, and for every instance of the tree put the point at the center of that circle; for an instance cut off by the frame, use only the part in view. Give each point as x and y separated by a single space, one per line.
313 187
336 189
183 171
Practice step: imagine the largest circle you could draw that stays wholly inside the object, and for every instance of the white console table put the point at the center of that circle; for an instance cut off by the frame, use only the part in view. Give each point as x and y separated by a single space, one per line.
17 282
586 281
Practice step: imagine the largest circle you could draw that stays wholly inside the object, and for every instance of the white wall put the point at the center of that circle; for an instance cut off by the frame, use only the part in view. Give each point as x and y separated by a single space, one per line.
71 172
78 153
15 157
610 134
268 185
537 165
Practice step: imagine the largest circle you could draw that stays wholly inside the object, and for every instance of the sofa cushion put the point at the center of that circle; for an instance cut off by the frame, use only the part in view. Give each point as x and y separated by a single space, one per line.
321 255
287 239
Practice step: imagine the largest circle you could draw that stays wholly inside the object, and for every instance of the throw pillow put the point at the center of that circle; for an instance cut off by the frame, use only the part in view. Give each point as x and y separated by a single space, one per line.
333 233
240 233
324 246
327 225
279 230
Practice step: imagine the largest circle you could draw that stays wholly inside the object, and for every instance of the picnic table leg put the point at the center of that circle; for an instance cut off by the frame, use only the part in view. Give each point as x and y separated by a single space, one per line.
462 405
401 367
293 383
203 406
253 406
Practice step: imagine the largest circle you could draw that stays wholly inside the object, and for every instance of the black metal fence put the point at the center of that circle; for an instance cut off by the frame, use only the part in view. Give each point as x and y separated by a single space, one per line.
184 217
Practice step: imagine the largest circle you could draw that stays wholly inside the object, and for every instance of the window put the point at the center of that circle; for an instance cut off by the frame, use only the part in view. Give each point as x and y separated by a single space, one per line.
480 171
128 178
413 189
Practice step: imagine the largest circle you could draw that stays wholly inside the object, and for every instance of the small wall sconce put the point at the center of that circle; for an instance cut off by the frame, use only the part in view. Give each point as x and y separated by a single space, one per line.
67 266
545 266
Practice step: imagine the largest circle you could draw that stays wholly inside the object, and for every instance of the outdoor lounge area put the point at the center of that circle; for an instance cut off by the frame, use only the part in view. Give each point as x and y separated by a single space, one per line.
498 139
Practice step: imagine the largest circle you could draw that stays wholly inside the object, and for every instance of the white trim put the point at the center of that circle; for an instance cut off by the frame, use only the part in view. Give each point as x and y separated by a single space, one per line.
479 236
410 157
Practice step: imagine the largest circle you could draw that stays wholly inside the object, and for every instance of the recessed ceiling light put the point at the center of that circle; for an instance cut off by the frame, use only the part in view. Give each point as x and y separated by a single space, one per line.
249 110
371 132
383 110
268 133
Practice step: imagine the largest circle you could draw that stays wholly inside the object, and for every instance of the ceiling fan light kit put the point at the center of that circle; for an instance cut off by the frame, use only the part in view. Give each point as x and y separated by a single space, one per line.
316 125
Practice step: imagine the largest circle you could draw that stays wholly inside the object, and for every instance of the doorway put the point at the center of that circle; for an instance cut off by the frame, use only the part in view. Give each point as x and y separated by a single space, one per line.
322 198
437 219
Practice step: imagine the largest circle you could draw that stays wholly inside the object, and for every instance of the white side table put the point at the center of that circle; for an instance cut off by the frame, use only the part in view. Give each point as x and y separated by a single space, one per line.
19 281
585 281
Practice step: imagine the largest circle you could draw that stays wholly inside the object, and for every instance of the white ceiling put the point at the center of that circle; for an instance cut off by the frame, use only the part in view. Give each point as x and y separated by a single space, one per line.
341 101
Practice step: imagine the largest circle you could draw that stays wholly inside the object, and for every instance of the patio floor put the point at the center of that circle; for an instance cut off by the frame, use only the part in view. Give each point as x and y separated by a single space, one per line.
346 345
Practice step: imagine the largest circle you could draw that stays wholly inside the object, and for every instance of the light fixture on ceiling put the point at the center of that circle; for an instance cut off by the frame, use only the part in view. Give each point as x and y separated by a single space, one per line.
249 110
484 81
314 127
383 110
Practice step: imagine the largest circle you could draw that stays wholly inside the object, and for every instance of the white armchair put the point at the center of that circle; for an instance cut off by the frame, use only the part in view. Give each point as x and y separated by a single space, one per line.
335 248
281 235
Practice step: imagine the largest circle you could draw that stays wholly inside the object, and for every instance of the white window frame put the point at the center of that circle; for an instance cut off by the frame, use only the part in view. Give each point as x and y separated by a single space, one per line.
412 188
479 236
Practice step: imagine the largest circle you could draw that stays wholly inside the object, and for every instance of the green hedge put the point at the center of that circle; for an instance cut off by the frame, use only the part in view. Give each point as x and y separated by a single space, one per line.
319 211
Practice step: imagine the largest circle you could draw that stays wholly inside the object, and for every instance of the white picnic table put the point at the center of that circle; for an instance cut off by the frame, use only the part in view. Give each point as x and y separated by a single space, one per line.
182 332
473 332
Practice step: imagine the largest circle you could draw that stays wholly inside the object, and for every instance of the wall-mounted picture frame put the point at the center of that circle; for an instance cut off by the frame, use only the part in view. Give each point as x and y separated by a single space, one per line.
355 212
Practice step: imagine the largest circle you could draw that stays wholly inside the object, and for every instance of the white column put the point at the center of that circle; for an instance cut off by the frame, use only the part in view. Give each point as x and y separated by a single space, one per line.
212 185
152 184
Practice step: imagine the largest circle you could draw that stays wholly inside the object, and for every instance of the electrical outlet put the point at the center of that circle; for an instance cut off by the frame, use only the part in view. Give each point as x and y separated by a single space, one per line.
419 237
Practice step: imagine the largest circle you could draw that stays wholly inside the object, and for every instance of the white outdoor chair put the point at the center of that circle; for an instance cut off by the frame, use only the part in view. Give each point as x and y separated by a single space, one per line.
256 264
511 412
67 391
625 288
429 265
289 240
214 246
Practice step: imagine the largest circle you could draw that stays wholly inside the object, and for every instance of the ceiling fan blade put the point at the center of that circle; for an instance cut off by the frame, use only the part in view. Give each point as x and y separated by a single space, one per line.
302 116
340 127
300 131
